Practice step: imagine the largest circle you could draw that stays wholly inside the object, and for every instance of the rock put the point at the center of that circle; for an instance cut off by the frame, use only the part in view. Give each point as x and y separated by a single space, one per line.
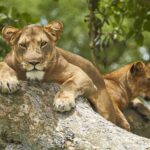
28 122
140 124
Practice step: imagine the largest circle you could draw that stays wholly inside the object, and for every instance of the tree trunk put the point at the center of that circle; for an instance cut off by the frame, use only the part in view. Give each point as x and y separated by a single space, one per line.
28 122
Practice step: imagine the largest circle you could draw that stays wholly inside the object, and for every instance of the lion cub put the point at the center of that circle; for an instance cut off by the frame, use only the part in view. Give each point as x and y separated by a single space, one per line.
125 84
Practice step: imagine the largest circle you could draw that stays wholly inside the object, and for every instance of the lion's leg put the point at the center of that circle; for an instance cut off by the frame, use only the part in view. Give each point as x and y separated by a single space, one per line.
103 104
140 107
121 119
8 79
72 88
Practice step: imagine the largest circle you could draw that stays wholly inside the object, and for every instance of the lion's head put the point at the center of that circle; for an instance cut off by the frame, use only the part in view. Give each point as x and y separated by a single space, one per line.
139 79
33 46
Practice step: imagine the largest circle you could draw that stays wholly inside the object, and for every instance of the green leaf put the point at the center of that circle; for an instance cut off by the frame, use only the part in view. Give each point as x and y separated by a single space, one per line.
3 9
130 34
117 18
146 25
138 23
148 15
27 17
139 38
2 16
13 13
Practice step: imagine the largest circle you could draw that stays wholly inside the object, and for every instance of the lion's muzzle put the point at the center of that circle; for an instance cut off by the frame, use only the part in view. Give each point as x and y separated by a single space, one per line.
34 70
35 75
34 62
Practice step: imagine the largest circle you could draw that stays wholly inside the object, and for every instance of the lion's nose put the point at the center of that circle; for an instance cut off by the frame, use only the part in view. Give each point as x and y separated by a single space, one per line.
34 62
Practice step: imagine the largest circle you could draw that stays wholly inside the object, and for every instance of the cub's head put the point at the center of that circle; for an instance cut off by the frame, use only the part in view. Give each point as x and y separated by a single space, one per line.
139 79
34 46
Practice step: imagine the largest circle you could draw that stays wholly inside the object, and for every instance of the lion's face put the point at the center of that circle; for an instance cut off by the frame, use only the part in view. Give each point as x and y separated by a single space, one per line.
139 79
34 47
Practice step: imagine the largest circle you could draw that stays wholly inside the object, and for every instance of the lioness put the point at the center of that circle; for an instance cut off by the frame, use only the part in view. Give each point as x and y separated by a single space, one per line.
124 85
34 56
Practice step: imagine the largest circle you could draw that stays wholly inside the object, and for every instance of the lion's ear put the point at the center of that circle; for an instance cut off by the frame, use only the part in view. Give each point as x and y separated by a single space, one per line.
55 29
8 33
137 68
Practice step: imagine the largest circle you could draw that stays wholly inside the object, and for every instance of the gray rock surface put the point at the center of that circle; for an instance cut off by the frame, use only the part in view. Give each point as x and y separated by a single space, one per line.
28 122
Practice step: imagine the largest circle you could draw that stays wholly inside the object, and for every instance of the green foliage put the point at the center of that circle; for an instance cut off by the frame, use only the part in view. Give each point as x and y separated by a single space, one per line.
120 23
124 19
122 26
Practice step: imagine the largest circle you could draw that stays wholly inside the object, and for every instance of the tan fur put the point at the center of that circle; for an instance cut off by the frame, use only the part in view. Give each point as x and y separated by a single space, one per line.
34 49
124 85
8 80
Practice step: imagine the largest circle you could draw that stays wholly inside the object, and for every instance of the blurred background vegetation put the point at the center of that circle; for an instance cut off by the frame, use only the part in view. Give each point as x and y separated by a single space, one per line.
110 33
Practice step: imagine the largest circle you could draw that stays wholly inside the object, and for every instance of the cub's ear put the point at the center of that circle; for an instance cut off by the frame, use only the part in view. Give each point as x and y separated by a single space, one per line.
55 29
8 33
137 68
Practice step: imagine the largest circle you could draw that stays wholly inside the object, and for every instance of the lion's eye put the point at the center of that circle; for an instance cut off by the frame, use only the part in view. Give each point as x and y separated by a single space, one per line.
23 45
44 43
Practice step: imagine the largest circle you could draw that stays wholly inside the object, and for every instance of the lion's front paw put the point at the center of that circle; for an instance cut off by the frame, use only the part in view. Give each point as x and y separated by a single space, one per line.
65 103
9 84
